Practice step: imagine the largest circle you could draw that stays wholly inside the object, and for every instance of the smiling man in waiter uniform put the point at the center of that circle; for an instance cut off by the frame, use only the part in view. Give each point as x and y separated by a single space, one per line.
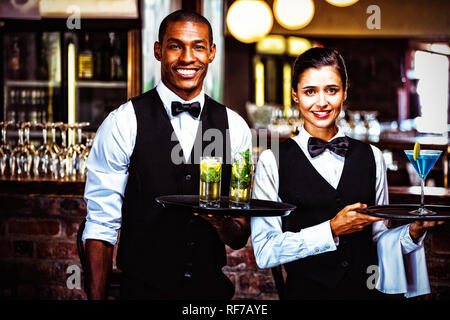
164 254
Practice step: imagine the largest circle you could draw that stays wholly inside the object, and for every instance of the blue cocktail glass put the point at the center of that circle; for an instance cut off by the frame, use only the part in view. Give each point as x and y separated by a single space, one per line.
423 165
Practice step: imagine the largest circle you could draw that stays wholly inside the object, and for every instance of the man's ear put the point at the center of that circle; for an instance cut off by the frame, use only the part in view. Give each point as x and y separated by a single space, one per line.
157 51
212 53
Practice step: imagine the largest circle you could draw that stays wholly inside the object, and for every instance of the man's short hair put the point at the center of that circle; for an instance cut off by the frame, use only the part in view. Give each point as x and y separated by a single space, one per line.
185 16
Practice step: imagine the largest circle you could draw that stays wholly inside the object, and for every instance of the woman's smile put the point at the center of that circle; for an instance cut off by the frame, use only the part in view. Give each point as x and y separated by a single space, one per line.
321 114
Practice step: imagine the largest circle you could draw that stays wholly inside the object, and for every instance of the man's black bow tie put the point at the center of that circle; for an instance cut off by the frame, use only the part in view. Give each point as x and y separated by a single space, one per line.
339 146
193 108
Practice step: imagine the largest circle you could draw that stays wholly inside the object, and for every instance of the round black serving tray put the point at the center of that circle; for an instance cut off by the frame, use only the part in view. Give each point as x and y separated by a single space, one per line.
258 208
401 212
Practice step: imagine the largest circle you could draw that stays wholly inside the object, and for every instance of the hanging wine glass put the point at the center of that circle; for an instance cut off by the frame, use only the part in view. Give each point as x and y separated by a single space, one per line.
26 136
44 156
53 126
85 154
71 153
63 163
79 127
27 142
12 160
79 146
23 158
54 166
2 163
5 150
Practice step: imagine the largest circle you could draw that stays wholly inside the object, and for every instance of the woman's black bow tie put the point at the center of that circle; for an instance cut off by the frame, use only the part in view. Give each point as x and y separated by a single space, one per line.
193 108
339 146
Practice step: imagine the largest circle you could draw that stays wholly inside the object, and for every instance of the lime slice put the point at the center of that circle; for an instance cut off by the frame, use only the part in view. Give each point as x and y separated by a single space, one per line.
416 151
237 168
209 163
203 167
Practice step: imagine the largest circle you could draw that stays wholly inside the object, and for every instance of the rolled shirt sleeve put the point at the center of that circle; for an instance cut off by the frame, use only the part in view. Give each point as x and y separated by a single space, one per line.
107 174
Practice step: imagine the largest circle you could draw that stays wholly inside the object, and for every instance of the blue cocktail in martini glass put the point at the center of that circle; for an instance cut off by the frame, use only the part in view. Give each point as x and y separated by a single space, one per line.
423 163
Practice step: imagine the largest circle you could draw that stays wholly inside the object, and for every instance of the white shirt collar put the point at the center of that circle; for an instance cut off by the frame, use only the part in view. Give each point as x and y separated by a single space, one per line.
303 136
167 96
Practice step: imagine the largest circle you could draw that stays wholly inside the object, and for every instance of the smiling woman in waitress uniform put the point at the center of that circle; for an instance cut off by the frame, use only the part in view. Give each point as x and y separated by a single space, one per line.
325 245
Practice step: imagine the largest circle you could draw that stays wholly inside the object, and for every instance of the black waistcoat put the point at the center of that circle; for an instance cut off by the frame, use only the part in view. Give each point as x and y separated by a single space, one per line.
163 247
336 274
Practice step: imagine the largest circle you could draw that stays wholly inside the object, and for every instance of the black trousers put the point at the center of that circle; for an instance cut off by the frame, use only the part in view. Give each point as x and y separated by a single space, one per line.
219 288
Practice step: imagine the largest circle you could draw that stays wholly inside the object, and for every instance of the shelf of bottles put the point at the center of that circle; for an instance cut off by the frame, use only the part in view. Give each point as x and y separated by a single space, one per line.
101 68
39 139
102 61
31 76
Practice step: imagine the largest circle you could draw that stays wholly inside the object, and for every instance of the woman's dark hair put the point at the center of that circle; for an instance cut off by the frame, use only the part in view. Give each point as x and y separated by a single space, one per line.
316 58
185 16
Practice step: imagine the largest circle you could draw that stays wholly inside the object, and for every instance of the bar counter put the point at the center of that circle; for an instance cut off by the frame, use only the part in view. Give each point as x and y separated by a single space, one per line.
433 195
40 186
39 221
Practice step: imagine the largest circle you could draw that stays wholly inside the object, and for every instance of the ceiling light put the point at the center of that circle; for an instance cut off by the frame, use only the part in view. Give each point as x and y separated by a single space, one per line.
293 14
297 46
272 44
342 3
249 20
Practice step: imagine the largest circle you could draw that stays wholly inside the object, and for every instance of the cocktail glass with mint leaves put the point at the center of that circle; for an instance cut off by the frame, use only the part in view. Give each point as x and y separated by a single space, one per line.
241 181
210 174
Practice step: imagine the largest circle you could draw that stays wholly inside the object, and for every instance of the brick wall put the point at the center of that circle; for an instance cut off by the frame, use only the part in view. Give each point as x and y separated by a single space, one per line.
250 282
38 244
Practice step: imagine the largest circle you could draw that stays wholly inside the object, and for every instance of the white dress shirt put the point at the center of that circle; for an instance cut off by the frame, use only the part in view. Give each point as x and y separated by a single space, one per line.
113 146
273 247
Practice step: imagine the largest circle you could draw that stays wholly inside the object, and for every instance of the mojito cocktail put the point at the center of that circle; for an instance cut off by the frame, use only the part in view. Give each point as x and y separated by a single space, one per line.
241 181
210 174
